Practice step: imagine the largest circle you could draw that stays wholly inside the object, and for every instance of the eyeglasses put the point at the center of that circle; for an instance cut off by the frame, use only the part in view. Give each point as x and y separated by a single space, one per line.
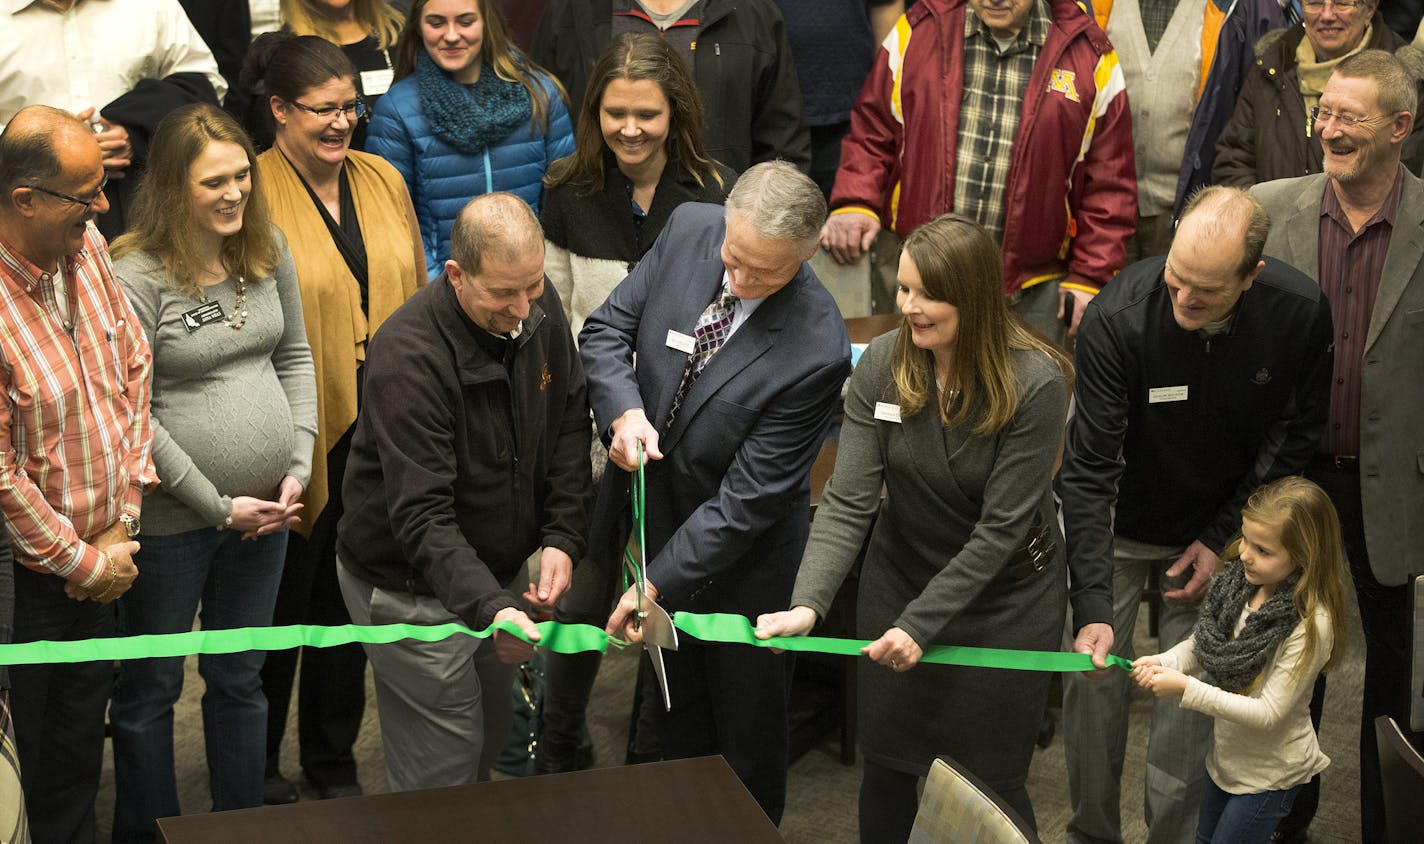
1340 5
353 111
1350 121
87 204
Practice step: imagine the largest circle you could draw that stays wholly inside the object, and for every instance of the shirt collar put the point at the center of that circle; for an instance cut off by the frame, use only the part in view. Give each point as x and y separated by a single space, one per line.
1330 205
1035 30
30 274
17 6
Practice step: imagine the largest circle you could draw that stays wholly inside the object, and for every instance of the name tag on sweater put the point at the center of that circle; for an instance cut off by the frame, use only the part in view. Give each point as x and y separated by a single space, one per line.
1158 395
681 342
886 412
205 314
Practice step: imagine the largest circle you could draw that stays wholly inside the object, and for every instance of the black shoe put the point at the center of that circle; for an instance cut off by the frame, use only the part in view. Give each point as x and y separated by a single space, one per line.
333 792
277 790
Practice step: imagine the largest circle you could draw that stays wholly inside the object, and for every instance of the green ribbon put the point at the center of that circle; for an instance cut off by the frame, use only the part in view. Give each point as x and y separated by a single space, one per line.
559 638
736 629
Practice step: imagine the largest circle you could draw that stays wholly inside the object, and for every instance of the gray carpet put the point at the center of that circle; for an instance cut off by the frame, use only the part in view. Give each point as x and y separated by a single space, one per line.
821 804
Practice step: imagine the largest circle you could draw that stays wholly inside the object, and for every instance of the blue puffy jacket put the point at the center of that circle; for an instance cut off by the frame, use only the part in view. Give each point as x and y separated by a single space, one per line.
442 179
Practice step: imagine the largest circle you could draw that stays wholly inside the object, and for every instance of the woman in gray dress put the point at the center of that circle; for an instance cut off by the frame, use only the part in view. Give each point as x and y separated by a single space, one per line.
959 413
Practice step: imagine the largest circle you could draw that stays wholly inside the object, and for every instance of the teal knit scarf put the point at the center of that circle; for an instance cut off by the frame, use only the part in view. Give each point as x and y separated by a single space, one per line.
470 118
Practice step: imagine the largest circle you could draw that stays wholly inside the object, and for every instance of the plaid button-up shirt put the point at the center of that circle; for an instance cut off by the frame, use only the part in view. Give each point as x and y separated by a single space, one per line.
994 86
75 438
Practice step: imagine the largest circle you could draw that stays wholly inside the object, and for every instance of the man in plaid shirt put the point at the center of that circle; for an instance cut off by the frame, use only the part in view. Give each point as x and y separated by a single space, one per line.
1011 113
75 451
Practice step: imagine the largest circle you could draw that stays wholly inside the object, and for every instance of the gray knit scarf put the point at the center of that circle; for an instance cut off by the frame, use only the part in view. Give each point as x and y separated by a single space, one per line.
1236 662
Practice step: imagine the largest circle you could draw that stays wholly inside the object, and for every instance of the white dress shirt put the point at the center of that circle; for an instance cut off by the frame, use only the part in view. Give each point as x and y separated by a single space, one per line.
266 16
93 53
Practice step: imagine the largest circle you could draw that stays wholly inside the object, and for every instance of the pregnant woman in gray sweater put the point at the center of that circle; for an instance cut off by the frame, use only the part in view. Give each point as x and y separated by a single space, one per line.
234 418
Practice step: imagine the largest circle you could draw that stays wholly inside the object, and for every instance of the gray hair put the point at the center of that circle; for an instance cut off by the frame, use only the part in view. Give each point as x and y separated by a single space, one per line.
1394 86
1232 213
500 224
780 202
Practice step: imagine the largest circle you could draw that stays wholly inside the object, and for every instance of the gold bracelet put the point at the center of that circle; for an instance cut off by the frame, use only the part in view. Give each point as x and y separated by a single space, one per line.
108 564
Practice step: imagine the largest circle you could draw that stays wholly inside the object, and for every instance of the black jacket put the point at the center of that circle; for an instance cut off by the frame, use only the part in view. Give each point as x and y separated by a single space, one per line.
1155 467
742 66
460 468
1267 137
600 224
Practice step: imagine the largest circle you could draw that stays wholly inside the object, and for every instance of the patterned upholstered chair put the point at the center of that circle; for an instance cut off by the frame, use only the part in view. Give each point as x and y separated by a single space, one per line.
956 808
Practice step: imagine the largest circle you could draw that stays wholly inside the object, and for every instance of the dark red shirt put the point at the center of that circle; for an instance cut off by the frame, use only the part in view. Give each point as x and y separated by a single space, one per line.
1351 263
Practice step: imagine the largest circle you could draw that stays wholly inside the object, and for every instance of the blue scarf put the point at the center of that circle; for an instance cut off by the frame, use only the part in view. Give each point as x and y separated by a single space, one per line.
471 118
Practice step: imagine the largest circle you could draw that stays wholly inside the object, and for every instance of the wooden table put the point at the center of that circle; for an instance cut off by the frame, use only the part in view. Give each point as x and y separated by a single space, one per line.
688 800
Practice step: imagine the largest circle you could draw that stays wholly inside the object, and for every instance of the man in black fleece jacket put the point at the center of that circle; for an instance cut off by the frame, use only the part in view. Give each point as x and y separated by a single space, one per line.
471 452
1201 376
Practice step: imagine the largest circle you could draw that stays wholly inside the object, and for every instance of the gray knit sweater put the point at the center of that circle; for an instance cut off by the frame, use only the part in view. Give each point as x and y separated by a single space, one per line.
234 411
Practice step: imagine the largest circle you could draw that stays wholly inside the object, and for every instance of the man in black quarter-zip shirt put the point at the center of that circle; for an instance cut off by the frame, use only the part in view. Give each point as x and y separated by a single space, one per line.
1201 376
470 454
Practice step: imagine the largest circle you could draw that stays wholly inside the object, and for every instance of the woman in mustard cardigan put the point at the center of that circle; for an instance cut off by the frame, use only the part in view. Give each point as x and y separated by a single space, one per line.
357 249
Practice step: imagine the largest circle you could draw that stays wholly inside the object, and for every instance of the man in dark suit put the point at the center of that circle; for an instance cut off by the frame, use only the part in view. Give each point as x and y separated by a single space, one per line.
730 402
1358 229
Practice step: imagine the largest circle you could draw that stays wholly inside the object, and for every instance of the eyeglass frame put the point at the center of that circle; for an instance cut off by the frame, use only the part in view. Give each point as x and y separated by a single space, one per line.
87 205
358 110
1346 6
1349 122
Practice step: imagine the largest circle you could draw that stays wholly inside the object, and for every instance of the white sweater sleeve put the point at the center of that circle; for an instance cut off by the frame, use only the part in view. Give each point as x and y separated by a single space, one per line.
1266 706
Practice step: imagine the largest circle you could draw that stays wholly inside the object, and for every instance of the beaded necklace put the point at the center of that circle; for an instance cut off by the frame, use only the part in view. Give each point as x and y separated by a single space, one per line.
238 318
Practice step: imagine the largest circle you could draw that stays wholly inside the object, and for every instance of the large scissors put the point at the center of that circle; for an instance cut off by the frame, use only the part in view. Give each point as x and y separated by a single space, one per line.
650 619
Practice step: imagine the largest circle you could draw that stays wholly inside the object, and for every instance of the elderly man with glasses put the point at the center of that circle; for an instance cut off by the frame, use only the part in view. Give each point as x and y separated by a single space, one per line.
1358 228
1270 135
75 442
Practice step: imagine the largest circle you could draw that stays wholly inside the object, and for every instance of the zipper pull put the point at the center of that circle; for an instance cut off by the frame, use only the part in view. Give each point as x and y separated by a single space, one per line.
717 48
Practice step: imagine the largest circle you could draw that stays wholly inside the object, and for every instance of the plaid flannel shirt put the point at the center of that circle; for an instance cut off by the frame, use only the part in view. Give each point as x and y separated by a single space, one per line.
994 86
75 437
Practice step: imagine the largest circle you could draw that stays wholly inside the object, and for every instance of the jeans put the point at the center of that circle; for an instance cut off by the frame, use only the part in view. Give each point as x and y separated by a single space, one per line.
236 583
1240 818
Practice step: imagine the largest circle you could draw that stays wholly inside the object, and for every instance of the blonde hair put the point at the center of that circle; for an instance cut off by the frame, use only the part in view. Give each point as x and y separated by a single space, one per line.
158 224
379 17
1310 533
959 264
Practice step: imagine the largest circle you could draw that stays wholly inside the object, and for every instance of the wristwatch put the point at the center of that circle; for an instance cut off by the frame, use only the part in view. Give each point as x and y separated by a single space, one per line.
130 524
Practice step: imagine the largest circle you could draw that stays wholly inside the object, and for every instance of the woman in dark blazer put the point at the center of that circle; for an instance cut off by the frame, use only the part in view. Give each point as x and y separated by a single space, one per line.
958 415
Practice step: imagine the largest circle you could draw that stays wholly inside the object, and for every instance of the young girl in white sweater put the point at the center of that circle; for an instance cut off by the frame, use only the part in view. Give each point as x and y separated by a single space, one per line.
1267 628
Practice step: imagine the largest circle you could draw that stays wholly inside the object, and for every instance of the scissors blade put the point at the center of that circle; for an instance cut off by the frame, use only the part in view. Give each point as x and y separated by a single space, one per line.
657 627
655 654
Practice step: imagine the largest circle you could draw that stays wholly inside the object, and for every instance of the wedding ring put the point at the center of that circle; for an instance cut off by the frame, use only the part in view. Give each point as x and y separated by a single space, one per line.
894 663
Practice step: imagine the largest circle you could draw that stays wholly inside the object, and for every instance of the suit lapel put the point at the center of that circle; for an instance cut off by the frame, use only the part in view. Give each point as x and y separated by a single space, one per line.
698 293
1406 248
1302 229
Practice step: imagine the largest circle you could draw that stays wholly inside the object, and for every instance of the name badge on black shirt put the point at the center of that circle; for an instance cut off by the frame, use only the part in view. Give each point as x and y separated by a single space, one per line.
205 314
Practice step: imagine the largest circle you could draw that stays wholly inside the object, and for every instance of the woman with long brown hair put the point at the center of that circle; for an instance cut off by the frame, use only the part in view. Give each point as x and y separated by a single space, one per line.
958 415
234 417
470 114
